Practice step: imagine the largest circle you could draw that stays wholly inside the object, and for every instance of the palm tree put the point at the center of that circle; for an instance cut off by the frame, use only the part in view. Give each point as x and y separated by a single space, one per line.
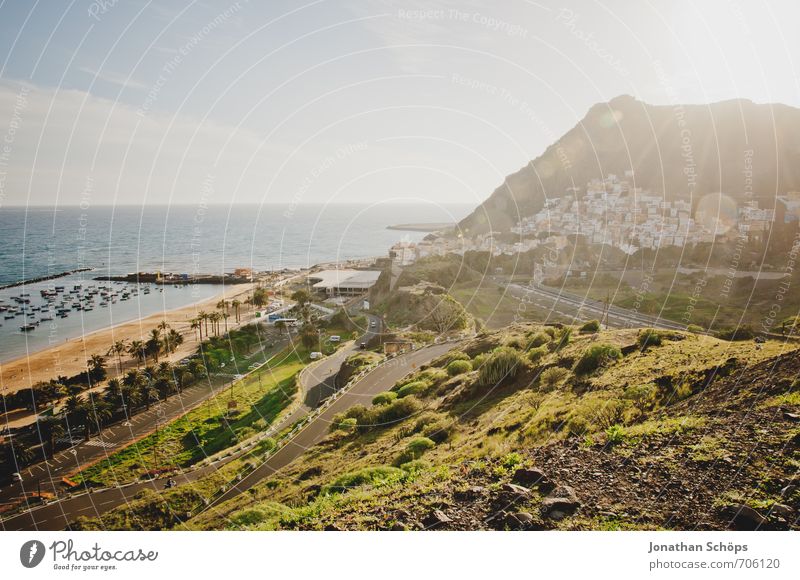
118 348
194 324
222 305
203 317
96 367
235 303
225 317
215 317
153 344
136 350
50 430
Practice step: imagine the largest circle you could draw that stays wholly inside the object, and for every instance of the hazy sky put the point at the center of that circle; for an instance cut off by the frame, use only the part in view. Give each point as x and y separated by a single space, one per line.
132 101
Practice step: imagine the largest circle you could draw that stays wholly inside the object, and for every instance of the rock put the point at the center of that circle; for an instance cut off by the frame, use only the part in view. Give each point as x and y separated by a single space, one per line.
788 491
398 527
436 518
518 521
557 508
782 511
528 477
471 493
333 528
793 417
515 489
565 492
745 517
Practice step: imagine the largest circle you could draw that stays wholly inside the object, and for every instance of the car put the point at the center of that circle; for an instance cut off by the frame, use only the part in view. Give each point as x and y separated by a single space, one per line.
315 355
237 377
335 338
363 346
373 324
16 477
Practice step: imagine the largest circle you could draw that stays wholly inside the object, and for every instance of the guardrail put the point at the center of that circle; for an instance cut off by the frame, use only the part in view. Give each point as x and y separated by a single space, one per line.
302 424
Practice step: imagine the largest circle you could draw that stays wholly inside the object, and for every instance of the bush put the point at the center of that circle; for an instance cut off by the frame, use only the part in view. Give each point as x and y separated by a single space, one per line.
616 434
641 395
384 398
503 363
539 339
551 331
413 388
739 333
367 476
695 328
537 354
458 367
419 445
348 424
577 426
595 357
648 337
590 327
479 360
415 466
553 377
561 340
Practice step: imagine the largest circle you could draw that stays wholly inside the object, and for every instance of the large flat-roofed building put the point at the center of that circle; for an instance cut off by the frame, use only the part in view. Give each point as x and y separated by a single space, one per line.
343 282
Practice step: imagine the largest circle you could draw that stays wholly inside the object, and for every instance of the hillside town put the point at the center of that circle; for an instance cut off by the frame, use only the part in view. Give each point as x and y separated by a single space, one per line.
613 212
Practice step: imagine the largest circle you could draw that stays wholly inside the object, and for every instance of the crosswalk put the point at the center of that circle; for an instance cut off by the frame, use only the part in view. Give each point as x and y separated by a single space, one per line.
100 443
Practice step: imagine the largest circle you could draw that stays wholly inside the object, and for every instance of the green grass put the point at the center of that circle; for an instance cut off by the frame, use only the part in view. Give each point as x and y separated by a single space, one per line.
205 430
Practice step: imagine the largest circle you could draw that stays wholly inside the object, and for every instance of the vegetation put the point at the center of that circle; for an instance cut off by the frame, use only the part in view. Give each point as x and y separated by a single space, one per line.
503 364
458 367
595 357
590 327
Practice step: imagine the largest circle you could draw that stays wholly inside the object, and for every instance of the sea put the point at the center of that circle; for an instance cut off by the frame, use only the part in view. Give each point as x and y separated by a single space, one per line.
43 241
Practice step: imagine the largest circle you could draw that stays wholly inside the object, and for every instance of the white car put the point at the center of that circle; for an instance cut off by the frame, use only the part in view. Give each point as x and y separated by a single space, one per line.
315 355
16 477
335 338
373 324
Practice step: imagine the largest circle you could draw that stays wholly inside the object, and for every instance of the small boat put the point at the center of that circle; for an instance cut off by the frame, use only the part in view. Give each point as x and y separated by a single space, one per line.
27 327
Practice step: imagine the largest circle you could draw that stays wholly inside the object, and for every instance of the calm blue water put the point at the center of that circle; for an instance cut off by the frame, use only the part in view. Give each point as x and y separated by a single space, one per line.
182 239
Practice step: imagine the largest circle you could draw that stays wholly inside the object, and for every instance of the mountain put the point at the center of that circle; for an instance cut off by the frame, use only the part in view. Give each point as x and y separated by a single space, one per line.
737 147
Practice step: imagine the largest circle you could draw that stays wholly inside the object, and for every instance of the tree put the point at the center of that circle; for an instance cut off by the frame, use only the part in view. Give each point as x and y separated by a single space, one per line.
118 349
194 324
96 366
260 297
50 429
153 344
236 304
137 351
280 325
202 316
309 336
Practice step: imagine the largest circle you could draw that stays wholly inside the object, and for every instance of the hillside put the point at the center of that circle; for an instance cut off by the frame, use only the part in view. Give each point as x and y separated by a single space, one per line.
677 150
546 428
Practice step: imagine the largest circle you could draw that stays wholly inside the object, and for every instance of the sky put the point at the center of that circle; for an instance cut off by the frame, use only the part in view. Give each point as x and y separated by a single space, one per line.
342 101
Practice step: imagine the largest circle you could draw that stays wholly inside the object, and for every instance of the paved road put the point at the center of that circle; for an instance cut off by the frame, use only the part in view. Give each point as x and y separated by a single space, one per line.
47 476
571 305
380 379
58 515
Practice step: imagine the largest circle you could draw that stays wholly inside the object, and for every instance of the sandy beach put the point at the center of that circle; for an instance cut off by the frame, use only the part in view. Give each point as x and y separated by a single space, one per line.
69 357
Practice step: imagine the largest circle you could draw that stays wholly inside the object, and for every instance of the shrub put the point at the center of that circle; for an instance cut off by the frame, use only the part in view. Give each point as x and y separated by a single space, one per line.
415 466
511 460
561 340
368 476
419 445
503 363
539 339
479 360
641 395
453 356
595 357
695 328
413 388
458 367
537 354
577 426
648 337
551 331
348 424
552 377
590 327
384 398
616 434
739 333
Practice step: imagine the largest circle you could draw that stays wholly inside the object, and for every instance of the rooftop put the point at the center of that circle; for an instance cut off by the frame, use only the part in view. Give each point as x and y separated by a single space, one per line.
325 279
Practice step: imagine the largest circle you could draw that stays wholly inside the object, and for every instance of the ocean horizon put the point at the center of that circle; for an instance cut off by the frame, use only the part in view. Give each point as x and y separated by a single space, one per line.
116 240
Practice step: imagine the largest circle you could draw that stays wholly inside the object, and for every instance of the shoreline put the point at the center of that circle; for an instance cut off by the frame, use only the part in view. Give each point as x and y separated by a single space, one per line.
69 357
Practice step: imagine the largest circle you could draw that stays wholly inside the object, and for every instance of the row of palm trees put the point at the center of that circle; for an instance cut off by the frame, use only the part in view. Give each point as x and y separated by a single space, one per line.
163 339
